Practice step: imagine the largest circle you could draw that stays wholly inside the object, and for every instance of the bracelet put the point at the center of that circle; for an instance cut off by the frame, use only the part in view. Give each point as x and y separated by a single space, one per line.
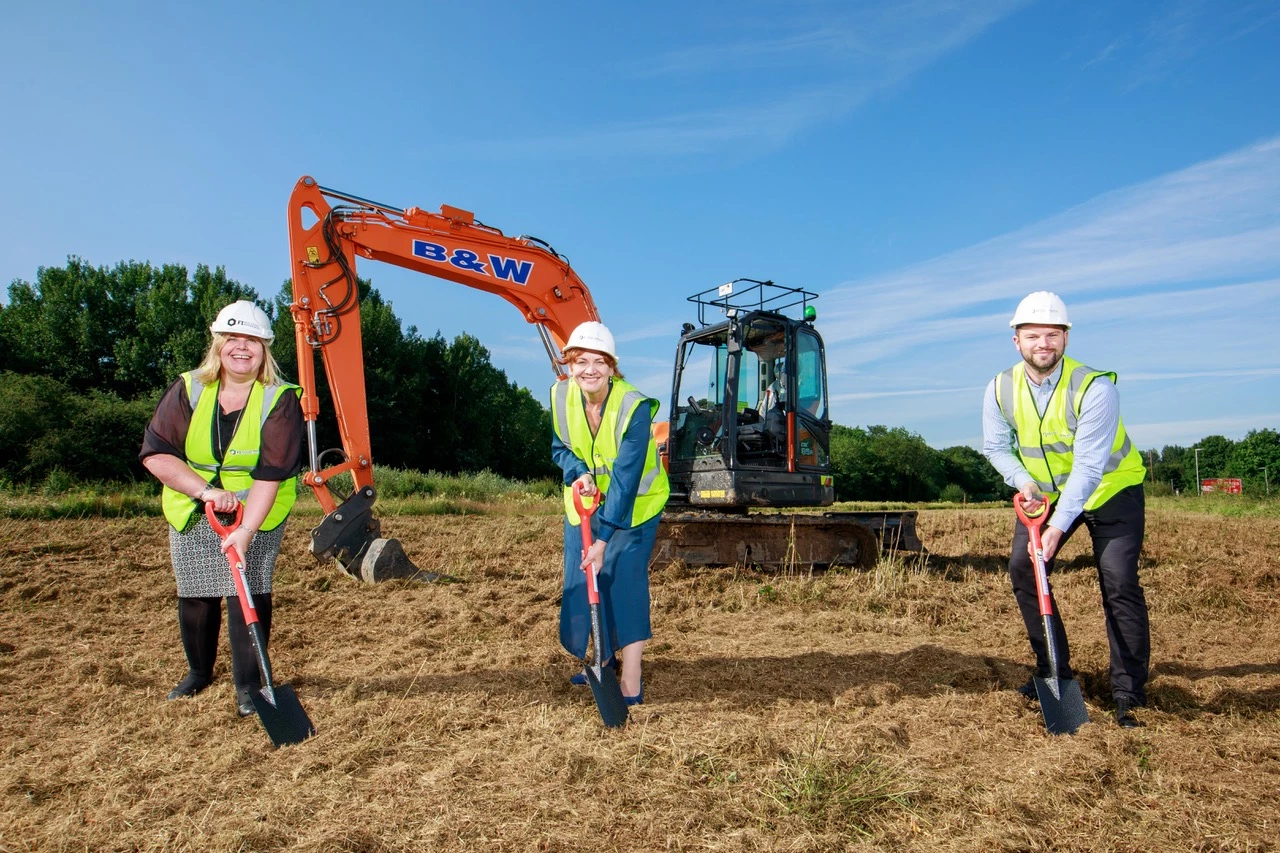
200 494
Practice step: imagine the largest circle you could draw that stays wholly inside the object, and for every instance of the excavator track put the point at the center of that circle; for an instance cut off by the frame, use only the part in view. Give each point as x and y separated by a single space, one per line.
778 541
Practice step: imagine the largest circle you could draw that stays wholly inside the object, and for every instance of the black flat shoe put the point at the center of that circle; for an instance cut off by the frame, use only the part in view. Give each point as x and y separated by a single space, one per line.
1124 713
189 686
244 700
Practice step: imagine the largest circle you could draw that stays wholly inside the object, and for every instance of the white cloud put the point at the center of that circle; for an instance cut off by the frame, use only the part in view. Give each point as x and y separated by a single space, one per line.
1170 282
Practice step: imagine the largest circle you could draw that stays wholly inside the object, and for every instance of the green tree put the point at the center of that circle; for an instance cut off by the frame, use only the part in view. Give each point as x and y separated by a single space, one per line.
46 425
129 329
432 405
1258 450
1215 454
969 470
1171 466
880 463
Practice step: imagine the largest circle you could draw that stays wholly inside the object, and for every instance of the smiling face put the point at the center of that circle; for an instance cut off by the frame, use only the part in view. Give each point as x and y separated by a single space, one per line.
1041 348
241 357
591 371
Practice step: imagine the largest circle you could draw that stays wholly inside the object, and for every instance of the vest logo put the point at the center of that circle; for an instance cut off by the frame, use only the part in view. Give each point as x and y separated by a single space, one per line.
234 452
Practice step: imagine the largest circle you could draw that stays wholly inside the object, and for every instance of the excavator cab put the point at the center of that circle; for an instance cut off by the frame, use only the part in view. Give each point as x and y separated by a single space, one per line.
749 424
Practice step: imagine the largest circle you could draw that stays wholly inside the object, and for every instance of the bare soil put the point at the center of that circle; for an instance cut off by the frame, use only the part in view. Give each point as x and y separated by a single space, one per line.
848 710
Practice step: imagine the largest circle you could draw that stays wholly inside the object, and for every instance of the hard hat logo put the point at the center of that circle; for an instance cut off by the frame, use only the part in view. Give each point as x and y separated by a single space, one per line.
244 318
1042 308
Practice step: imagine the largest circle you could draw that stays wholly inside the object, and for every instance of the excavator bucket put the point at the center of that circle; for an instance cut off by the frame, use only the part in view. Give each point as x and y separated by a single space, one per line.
350 536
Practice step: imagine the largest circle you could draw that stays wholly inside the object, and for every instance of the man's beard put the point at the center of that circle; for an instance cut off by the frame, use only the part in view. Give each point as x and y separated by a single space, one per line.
1055 357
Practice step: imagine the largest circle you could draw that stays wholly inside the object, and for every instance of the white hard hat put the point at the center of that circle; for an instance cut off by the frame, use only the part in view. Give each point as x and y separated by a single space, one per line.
244 318
1041 308
593 335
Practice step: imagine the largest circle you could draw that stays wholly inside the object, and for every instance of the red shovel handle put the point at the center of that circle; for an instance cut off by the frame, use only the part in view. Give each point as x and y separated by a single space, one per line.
1033 522
584 523
584 511
218 528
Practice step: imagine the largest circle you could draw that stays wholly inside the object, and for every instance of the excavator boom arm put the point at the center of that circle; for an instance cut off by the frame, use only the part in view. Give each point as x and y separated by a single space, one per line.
330 231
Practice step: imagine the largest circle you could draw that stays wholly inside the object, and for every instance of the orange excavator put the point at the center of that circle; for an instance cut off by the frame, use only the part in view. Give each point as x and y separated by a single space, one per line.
739 440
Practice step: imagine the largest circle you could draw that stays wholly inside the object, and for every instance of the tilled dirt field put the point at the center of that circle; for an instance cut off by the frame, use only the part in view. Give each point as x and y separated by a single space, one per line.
847 710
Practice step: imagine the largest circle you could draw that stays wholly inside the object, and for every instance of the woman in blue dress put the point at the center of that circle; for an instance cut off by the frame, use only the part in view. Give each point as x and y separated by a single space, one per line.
603 442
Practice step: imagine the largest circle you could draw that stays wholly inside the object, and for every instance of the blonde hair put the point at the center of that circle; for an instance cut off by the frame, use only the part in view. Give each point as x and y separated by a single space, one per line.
211 368
573 352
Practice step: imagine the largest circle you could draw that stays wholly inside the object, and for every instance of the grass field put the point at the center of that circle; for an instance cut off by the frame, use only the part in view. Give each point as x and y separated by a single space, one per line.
847 710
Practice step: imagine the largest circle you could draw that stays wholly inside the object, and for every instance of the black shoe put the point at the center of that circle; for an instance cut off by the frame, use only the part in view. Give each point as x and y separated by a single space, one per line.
1124 713
189 686
1028 690
244 699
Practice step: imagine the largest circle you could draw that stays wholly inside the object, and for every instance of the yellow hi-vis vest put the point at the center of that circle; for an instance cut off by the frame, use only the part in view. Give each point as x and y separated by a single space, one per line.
1045 444
569 419
241 456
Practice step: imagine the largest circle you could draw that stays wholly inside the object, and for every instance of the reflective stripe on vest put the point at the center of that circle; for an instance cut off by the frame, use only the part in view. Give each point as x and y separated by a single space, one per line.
569 420
1046 443
242 452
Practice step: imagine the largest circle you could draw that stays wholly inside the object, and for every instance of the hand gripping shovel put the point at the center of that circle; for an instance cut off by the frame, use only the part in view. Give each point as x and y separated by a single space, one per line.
1061 702
278 707
602 679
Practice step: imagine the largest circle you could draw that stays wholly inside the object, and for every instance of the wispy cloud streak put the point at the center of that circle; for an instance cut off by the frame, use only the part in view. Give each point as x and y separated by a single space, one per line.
1172 280
819 73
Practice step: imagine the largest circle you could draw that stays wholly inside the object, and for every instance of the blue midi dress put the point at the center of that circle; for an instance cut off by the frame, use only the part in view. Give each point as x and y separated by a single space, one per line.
624 577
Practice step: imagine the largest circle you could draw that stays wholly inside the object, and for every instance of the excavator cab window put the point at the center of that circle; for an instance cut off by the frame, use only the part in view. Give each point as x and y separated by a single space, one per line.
699 427
762 426
811 391
753 358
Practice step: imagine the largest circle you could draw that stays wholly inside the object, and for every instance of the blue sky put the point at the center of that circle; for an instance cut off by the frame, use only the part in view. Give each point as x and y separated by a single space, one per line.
921 165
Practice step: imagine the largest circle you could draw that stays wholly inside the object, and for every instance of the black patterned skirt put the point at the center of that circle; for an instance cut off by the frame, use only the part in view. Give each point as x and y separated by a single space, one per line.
202 569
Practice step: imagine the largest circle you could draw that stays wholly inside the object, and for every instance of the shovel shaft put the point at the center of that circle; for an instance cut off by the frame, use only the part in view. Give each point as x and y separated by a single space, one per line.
247 608
1052 647
1042 576
282 715
1044 593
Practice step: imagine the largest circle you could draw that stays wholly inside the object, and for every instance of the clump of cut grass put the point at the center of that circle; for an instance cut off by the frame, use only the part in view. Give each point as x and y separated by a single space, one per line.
843 794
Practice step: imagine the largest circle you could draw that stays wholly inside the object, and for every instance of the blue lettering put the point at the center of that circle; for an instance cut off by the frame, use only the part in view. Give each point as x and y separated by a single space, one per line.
510 269
464 259
430 251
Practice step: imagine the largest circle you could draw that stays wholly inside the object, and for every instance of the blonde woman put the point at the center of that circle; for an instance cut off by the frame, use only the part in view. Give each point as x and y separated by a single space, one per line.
228 432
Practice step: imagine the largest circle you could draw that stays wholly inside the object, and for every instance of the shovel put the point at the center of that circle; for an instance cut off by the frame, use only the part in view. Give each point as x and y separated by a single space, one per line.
278 707
602 679
1061 701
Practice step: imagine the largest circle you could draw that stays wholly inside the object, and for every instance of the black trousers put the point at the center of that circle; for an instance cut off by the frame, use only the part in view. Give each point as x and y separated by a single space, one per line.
198 622
1117 528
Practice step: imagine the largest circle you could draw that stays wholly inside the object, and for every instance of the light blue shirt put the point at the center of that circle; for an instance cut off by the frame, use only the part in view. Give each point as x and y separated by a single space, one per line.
1095 433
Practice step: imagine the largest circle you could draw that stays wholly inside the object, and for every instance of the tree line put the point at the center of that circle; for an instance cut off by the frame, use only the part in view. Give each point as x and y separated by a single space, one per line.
86 352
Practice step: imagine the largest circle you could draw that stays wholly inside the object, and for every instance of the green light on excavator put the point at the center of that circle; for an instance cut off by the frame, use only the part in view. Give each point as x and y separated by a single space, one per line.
810 313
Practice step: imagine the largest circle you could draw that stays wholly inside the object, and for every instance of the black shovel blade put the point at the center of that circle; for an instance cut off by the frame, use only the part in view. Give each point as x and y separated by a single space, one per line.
285 721
608 694
1063 709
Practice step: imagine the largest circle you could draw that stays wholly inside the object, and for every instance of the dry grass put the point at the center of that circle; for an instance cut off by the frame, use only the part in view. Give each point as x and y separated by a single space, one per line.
847 710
